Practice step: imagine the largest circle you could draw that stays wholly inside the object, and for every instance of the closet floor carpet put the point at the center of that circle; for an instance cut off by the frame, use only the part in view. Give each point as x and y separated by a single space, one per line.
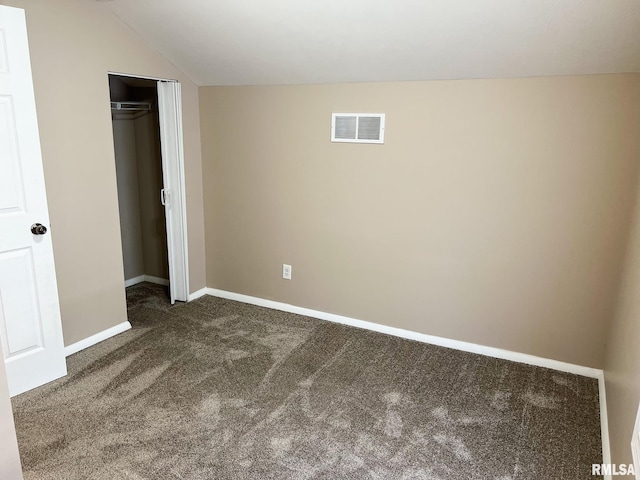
216 389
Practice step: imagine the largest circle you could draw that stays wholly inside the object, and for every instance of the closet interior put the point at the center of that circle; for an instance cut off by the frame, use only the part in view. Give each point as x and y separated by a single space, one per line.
136 137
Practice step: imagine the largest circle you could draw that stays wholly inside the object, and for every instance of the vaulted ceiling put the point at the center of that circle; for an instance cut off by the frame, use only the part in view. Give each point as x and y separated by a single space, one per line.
258 42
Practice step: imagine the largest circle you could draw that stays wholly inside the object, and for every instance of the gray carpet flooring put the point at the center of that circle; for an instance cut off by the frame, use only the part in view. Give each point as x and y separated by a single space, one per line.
216 389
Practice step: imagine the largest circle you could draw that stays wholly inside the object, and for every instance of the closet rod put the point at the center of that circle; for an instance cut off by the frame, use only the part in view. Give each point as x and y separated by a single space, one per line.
130 106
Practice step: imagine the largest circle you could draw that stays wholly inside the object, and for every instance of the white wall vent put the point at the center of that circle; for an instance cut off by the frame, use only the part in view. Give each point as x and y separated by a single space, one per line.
357 127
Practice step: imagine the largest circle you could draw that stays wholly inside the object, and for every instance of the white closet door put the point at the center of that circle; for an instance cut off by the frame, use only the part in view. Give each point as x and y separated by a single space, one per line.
173 196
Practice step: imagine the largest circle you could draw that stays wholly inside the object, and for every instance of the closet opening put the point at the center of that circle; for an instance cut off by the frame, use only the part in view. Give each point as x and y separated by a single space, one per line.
147 137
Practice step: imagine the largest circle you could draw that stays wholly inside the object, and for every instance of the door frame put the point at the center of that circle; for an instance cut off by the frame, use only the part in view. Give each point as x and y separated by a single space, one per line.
178 256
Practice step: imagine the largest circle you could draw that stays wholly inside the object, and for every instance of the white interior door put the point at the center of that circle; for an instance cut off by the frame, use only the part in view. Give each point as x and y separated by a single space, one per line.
30 327
173 195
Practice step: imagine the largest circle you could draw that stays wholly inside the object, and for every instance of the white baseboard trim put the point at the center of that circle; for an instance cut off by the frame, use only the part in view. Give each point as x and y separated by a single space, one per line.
145 278
134 281
156 280
420 337
197 294
604 423
97 338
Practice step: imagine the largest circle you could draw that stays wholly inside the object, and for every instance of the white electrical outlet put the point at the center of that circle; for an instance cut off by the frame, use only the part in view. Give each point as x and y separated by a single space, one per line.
286 271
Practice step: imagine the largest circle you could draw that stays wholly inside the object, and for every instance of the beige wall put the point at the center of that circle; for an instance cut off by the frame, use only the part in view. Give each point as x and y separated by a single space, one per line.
496 212
154 228
73 44
124 142
10 468
139 178
622 365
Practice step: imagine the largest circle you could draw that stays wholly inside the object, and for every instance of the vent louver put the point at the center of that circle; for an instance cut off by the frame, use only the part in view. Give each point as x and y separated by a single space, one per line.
357 127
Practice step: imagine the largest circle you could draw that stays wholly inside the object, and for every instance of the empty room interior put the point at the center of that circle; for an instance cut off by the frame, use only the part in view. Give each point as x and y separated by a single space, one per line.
320 239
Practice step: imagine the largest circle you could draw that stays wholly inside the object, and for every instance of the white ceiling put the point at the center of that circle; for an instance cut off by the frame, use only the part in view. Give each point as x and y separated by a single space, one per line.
265 42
